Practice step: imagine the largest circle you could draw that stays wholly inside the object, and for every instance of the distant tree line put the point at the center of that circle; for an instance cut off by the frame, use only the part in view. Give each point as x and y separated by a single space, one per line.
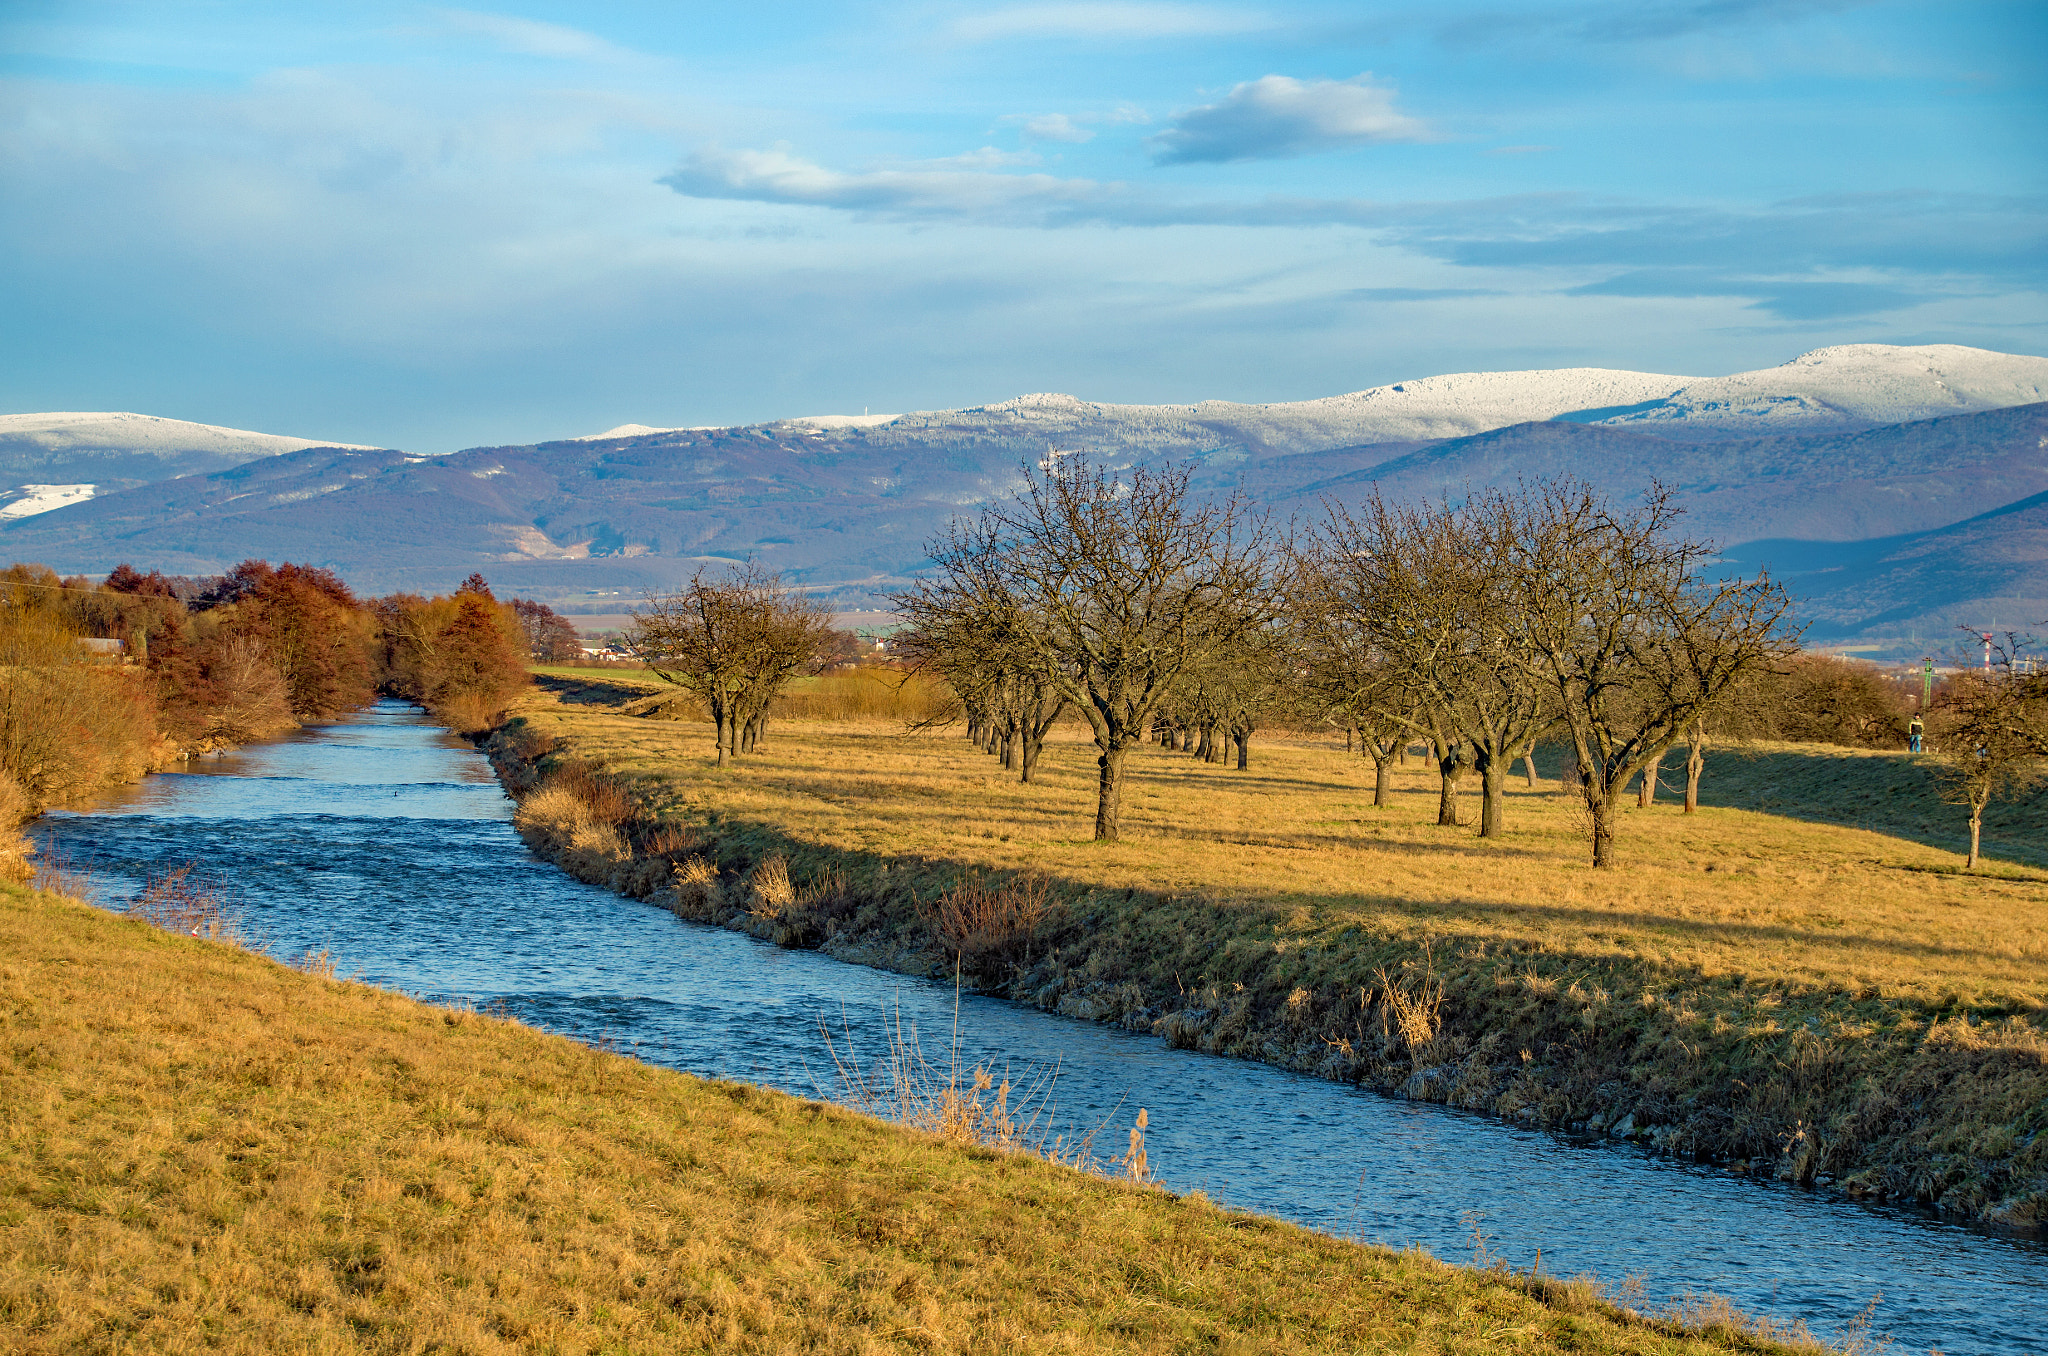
102 681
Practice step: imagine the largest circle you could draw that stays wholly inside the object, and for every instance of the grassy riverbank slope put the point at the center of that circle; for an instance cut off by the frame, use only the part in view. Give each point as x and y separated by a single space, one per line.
1825 1004
205 1150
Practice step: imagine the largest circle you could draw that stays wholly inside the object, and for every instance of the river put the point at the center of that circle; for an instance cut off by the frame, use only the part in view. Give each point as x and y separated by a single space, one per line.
388 843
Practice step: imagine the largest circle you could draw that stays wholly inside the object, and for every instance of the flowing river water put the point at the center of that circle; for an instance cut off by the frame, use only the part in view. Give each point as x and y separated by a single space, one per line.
388 843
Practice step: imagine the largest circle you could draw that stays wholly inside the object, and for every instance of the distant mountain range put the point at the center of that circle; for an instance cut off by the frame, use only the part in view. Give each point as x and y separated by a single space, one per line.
1897 488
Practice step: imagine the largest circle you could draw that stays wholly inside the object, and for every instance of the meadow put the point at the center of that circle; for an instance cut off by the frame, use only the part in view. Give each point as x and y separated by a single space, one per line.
1825 1003
205 1150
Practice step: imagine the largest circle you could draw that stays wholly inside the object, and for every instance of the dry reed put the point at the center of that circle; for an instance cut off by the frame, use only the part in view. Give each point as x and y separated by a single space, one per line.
986 926
906 1089
181 899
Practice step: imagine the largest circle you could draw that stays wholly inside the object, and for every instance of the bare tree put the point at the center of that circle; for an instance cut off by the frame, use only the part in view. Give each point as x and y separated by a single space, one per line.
968 628
734 642
1611 609
1433 593
1344 673
1993 733
1129 582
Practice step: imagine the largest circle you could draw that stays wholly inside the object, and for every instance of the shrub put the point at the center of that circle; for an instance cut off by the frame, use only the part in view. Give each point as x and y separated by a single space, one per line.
986 927
772 892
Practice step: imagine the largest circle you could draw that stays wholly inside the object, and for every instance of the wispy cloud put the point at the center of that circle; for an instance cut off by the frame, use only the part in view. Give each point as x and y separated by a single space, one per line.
531 37
1632 20
1107 19
1277 116
1072 128
1422 293
1786 298
924 192
1806 259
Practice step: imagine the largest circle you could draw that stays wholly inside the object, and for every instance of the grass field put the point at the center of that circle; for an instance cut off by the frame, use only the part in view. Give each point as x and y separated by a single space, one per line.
1818 1001
207 1151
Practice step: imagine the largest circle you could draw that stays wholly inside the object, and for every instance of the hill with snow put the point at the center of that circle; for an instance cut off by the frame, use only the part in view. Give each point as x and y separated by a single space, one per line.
1828 390
51 461
1835 452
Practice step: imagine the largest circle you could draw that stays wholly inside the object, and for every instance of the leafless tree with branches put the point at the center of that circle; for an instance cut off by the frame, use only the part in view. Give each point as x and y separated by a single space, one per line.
735 642
1613 611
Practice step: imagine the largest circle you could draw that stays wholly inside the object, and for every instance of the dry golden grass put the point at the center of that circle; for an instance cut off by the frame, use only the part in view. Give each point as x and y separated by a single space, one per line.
1893 793
206 1151
1723 891
1820 1002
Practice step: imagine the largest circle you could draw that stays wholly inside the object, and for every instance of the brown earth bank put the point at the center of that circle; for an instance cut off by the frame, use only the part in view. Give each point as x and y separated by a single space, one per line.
1744 1044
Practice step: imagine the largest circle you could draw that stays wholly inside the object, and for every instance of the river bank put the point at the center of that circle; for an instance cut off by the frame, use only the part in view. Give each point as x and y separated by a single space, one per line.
1812 1003
205 1145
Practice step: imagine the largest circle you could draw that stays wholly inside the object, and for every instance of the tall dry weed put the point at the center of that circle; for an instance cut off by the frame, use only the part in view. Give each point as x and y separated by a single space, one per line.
182 900
969 1107
866 695
696 888
985 925
16 851
770 892
1412 1006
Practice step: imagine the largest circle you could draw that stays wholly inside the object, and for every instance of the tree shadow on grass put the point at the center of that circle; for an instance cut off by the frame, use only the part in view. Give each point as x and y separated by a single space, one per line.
1891 794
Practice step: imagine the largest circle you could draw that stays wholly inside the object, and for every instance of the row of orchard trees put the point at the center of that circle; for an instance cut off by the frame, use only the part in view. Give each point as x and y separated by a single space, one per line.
100 681
1540 614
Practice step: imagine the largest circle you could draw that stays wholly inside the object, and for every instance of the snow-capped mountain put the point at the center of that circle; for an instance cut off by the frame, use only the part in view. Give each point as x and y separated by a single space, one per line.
1867 383
144 433
1840 450
51 461
1827 390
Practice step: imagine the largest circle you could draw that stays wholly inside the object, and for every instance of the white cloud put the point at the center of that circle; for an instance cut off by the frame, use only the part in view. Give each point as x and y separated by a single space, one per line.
926 191
1277 115
1069 127
530 37
1054 127
987 158
1108 19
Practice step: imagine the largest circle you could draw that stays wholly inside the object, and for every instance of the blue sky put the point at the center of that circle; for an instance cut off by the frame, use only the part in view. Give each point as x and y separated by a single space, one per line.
435 227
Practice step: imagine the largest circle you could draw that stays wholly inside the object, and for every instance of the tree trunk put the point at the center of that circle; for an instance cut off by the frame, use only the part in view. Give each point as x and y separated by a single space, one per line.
723 724
1382 780
1571 777
1109 794
1447 792
1602 810
1349 732
1401 755
1646 794
1493 788
1029 761
1529 766
1244 749
1976 834
1695 763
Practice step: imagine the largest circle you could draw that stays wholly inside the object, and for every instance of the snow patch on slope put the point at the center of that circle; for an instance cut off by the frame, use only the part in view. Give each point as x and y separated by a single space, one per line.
25 501
623 431
841 420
